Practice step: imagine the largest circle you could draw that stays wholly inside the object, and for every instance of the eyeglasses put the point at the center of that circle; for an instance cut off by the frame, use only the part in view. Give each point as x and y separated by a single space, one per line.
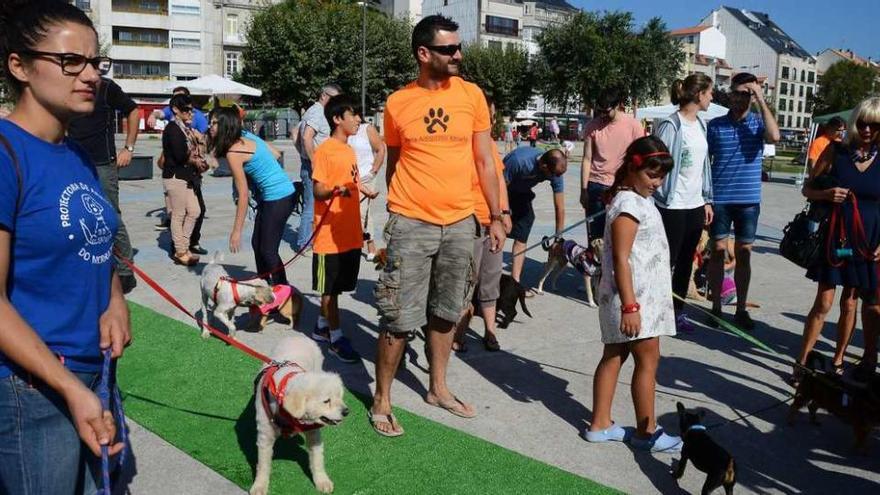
448 50
742 93
72 64
213 123
873 126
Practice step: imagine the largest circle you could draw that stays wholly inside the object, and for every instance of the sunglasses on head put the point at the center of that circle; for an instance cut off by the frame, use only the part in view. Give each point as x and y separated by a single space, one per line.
873 126
448 50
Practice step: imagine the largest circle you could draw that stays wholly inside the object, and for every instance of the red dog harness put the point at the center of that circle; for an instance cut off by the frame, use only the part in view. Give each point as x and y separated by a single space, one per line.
232 284
271 392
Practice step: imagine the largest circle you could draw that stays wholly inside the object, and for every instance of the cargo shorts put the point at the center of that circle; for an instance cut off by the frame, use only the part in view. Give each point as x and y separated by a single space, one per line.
429 270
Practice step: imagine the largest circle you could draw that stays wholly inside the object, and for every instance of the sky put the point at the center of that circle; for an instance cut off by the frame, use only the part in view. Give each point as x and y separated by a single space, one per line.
814 24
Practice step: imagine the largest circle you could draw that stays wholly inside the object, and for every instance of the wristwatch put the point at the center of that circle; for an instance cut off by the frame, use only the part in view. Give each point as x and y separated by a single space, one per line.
497 218
130 149
505 212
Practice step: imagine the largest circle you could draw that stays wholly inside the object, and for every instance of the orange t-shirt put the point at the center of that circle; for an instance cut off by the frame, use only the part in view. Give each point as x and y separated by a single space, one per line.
818 146
434 130
335 164
481 207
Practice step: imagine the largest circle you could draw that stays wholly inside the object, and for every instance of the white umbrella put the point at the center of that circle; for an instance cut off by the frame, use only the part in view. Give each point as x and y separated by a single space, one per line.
663 111
217 86
525 122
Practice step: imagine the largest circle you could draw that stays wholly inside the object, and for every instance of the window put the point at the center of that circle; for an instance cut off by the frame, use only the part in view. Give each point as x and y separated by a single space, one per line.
139 70
803 76
782 104
140 37
809 92
801 92
791 105
690 40
187 43
798 122
789 121
85 5
780 121
141 6
783 88
502 25
785 72
811 77
800 106
185 78
806 122
232 59
185 9
231 25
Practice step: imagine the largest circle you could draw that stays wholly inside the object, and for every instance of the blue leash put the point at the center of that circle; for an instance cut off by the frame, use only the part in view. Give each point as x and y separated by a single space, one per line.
108 390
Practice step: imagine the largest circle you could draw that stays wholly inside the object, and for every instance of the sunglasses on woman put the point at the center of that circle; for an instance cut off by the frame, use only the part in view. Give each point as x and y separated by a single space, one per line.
72 64
873 126
448 50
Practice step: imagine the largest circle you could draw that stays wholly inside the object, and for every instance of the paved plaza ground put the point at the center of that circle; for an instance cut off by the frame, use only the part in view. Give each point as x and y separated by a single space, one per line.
534 396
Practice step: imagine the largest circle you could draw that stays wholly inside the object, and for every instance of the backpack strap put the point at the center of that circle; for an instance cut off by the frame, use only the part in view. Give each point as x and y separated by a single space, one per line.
14 158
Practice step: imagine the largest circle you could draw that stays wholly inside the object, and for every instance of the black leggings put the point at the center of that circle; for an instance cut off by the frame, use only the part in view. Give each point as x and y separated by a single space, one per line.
268 228
196 235
683 230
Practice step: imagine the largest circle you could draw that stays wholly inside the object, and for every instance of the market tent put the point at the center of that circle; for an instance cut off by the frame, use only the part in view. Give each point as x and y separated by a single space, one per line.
217 86
663 111
821 119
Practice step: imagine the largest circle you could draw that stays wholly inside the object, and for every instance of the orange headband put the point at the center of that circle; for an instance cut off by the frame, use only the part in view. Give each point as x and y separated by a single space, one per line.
638 160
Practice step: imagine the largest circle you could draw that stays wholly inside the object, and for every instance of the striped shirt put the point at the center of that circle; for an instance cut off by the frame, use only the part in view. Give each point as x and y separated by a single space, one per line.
737 151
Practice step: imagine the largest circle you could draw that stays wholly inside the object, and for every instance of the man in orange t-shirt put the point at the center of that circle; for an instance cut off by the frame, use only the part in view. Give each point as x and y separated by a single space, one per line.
437 132
832 131
338 236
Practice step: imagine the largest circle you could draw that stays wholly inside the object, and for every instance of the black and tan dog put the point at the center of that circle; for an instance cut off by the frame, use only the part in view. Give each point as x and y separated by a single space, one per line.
510 292
855 405
586 260
704 453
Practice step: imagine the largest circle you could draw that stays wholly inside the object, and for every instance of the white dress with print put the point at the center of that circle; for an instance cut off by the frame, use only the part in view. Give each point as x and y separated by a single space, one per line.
649 262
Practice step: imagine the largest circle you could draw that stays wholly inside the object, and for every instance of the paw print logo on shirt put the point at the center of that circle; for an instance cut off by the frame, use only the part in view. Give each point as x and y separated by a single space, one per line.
436 117
354 173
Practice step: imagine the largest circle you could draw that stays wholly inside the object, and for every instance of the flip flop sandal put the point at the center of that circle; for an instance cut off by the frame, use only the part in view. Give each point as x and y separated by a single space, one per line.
491 345
457 407
459 347
838 369
375 419
529 293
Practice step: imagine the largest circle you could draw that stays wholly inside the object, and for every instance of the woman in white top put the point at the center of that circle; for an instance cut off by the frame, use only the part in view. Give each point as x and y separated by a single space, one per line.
369 148
685 199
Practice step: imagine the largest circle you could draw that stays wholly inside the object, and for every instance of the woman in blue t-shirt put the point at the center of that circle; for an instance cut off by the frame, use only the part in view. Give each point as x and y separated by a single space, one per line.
60 301
253 161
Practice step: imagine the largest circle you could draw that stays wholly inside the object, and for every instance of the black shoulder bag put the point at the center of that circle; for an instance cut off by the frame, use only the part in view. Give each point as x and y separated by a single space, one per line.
803 239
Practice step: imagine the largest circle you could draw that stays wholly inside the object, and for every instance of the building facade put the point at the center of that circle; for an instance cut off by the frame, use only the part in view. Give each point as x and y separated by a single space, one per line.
411 9
758 45
705 49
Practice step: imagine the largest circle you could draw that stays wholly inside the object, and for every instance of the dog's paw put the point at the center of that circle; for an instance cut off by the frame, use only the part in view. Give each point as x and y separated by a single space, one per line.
323 483
259 490
206 334
592 304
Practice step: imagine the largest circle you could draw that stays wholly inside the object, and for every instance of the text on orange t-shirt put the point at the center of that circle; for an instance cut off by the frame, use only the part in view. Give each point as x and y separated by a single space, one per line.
481 207
335 164
434 130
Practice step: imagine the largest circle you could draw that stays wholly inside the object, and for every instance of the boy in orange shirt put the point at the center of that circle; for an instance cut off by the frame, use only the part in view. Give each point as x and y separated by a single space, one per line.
338 241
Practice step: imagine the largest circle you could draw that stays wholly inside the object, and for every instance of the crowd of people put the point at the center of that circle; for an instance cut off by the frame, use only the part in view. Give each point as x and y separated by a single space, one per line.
452 202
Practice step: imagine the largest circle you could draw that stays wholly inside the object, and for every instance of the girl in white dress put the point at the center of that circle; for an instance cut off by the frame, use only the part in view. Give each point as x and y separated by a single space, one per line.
635 296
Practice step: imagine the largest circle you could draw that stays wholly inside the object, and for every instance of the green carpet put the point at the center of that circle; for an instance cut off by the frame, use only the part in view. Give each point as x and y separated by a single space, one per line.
197 395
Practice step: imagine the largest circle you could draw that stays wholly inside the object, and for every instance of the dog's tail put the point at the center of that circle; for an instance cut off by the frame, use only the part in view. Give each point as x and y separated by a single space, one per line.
522 302
217 257
730 473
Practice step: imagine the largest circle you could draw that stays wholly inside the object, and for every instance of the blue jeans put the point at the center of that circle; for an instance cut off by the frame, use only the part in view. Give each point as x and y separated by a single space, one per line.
743 217
595 204
308 212
40 450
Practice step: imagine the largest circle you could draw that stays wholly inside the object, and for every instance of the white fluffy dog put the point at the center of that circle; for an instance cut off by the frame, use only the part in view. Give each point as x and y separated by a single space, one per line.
225 295
293 395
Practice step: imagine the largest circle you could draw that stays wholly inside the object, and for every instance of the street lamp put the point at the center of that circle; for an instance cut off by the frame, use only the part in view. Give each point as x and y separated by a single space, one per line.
364 4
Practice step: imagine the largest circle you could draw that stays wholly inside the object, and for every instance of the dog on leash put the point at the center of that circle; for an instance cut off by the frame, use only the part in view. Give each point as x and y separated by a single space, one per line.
704 453
288 303
586 260
293 395
510 292
225 294
821 388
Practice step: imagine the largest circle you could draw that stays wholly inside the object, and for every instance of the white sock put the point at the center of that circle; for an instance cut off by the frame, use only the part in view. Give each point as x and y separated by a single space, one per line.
322 322
335 334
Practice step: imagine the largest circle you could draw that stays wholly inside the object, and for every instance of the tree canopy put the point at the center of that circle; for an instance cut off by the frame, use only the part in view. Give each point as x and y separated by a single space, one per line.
597 51
295 47
505 73
843 86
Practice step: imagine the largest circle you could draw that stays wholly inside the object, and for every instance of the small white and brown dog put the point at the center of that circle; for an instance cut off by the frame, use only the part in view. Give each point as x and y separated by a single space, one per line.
225 294
586 260
292 395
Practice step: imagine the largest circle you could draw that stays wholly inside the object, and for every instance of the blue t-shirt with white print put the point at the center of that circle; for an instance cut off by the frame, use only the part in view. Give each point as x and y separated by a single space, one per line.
737 151
62 249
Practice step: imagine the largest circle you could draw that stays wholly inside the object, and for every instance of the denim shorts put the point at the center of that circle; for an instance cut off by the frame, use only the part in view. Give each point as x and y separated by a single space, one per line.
429 270
40 449
743 217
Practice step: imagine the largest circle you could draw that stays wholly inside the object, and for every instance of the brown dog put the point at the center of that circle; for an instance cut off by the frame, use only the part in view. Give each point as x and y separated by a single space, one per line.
557 261
290 309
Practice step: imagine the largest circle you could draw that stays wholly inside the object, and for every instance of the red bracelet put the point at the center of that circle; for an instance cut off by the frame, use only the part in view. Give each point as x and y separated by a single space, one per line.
630 308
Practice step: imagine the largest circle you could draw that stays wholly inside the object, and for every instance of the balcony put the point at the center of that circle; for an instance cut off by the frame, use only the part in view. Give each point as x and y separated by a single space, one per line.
150 7
134 52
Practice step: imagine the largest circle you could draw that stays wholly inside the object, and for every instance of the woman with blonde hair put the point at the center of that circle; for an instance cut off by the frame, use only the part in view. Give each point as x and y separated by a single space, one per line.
685 198
847 176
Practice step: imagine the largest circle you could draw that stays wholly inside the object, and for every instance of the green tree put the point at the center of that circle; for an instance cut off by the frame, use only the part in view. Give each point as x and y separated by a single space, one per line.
295 47
593 52
503 73
843 86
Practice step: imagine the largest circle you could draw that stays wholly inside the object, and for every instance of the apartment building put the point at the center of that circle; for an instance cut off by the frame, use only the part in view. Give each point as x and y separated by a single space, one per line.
758 45
705 49
411 9
830 56
156 42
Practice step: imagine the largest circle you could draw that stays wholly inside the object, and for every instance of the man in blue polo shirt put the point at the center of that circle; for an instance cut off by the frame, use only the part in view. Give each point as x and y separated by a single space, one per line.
524 168
736 147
